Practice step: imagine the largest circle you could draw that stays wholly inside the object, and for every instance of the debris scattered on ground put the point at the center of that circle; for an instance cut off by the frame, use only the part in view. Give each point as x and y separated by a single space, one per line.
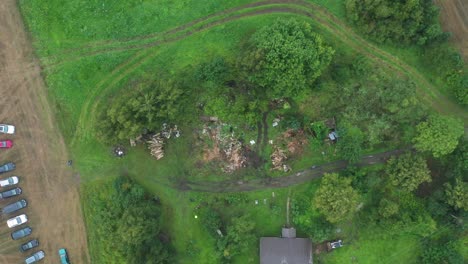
155 145
119 151
225 147
290 143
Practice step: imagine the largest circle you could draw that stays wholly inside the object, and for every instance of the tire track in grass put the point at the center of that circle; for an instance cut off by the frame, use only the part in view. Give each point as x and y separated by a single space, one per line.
107 46
327 21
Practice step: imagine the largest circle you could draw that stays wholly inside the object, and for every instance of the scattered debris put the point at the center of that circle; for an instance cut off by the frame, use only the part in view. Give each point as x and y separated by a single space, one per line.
156 145
277 159
225 147
119 151
334 244
252 142
219 232
270 142
256 202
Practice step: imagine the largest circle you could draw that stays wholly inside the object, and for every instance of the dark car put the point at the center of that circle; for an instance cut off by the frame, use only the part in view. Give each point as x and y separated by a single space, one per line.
10 193
29 245
13 207
35 257
7 167
20 233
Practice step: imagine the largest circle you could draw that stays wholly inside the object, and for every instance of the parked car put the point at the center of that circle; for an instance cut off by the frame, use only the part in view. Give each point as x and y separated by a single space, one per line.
334 244
29 245
10 193
9 181
35 257
63 256
20 233
6 144
7 129
17 220
7 167
13 207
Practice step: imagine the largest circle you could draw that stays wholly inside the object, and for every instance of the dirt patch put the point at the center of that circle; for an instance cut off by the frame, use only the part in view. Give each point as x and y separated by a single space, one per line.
39 152
454 18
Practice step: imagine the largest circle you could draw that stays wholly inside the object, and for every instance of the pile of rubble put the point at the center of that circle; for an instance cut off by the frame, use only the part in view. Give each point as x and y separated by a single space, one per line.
156 141
290 143
226 148
278 158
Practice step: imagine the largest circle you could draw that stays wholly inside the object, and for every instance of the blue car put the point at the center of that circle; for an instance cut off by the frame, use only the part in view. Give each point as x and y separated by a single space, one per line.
63 256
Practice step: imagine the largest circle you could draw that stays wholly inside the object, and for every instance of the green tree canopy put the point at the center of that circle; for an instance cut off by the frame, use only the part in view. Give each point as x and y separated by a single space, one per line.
438 135
285 58
335 198
400 21
350 143
239 237
407 171
457 195
143 109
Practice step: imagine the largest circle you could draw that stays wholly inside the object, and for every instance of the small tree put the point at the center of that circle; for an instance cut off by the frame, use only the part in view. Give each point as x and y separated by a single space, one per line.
239 237
439 135
335 198
146 108
387 208
285 58
350 143
407 171
457 195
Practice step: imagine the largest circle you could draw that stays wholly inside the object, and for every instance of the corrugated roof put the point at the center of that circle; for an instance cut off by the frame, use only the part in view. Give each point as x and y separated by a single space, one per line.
275 250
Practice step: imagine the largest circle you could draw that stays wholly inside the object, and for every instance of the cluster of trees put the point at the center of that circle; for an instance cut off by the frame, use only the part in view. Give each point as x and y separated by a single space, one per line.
395 201
126 222
237 233
281 60
143 108
400 21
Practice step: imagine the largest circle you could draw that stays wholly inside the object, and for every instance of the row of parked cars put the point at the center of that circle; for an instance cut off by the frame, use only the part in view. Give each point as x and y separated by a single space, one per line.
21 219
18 205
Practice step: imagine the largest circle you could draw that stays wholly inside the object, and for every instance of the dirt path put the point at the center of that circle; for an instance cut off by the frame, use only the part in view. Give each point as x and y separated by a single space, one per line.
39 152
454 18
304 176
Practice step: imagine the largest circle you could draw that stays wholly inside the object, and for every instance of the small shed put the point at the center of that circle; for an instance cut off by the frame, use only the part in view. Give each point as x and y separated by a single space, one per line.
287 249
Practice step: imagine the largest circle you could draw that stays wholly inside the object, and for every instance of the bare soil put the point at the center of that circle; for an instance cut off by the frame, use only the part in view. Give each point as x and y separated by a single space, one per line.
49 186
454 18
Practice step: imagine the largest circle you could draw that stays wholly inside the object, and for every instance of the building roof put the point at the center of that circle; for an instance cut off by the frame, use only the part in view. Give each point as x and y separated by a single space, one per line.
276 250
288 232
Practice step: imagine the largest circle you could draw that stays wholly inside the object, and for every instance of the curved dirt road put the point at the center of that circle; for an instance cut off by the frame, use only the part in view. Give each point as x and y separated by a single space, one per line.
39 152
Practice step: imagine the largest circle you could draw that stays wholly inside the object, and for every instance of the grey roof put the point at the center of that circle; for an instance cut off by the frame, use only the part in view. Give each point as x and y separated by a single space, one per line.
288 232
275 250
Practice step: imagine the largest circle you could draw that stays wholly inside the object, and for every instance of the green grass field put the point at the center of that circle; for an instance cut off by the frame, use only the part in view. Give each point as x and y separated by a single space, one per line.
91 50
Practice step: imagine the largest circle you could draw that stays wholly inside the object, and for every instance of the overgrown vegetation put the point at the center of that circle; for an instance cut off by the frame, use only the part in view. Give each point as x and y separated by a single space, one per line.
250 73
126 223
398 21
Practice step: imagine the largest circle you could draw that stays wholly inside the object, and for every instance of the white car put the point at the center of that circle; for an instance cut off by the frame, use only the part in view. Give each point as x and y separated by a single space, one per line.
7 129
9 181
16 221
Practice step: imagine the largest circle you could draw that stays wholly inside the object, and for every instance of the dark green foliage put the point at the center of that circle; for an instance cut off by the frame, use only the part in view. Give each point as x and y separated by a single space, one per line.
447 64
407 171
215 70
239 237
399 21
457 194
319 129
285 58
380 105
211 220
350 143
305 219
142 109
438 135
387 208
127 222
335 198
443 252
